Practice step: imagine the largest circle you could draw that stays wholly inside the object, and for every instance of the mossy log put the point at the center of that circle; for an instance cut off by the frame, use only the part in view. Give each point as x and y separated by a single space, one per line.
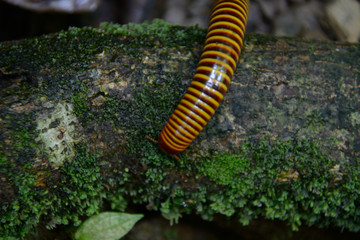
76 106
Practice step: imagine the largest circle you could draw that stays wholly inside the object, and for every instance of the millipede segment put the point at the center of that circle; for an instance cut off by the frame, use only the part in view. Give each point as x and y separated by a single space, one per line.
213 75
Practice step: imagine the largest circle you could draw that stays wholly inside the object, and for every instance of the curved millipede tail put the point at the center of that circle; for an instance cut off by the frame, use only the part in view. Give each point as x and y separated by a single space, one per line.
213 75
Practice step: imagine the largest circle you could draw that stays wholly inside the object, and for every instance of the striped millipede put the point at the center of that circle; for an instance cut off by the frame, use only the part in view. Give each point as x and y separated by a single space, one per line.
212 77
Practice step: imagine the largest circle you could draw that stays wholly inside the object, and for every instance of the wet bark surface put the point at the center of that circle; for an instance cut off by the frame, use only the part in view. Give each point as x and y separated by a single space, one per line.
84 94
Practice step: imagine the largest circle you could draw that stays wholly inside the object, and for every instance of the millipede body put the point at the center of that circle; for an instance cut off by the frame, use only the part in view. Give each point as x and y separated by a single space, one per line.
212 77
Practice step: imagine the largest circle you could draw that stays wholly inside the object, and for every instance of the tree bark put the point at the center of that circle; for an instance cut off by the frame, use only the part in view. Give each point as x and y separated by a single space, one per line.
76 106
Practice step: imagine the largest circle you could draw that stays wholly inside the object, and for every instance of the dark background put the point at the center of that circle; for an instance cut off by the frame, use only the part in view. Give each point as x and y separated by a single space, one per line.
304 18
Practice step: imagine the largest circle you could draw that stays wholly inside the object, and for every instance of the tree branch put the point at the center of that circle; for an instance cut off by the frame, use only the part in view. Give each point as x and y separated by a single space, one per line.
76 107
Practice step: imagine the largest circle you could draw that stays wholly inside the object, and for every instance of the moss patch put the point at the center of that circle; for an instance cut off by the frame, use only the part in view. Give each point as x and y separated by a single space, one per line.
171 35
288 179
79 190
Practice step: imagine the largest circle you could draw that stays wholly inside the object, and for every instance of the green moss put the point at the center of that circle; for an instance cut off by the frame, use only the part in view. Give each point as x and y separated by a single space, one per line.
224 168
82 185
117 202
17 141
76 48
260 39
151 104
158 27
19 216
172 35
290 180
287 180
80 103
78 194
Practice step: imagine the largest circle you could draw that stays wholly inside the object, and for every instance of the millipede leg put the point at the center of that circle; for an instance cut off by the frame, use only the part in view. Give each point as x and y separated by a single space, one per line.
156 141
176 157
151 139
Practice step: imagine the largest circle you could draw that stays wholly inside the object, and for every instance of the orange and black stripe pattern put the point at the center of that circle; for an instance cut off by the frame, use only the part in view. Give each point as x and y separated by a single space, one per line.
213 75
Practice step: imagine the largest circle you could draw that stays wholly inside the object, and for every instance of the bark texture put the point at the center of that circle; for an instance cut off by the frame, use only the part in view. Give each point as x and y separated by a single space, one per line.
75 108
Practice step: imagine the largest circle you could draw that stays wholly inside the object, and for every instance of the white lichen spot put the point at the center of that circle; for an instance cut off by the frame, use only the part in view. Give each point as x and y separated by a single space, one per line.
227 116
101 55
335 170
289 175
341 137
20 108
355 118
235 133
56 127
98 101
112 85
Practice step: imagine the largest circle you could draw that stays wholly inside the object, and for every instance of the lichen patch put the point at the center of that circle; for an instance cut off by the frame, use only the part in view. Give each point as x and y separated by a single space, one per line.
56 127
355 118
